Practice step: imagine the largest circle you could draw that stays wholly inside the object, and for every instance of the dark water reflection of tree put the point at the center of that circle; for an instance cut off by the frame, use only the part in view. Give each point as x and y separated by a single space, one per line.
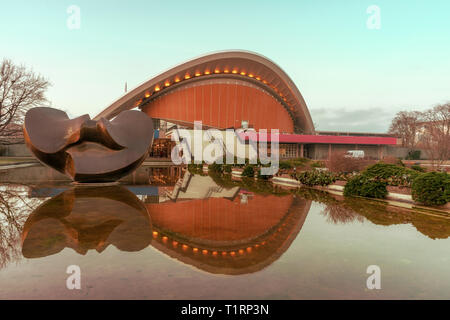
342 210
15 206
345 210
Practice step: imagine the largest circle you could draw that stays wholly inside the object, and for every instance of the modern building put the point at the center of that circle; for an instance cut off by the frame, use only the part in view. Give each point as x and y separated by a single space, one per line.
235 89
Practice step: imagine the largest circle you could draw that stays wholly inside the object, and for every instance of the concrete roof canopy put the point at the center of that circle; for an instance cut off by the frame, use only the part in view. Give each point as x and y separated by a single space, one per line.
244 65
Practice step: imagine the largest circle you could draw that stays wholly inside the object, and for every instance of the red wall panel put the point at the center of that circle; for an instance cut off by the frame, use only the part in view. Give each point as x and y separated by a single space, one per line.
207 90
239 104
219 219
222 105
198 104
190 107
232 110
215 105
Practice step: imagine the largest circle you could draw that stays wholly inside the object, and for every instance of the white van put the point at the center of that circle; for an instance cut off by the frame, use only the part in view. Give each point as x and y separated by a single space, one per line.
354 154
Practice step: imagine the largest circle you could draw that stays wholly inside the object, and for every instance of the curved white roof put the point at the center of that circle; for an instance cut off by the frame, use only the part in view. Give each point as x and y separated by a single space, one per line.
245 65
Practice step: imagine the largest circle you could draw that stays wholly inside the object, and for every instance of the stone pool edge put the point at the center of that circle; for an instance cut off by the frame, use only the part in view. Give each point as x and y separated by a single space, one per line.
394 199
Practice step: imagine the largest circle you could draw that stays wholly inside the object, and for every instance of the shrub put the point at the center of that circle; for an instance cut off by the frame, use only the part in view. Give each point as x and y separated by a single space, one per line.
391 174
384 170
364 186
316 178
263 177
284 164
215 167
249 171
431 188
300 162
195 168
400 163
293 163
343 176
417 167
317 164
227 168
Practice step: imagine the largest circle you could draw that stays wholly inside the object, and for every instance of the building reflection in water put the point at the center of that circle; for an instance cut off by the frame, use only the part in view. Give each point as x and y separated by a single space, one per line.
154 175
212 224
194 221
226 236
86 218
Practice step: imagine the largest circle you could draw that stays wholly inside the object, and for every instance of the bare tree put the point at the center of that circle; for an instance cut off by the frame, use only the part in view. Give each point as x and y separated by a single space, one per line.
406 126
435 134
338 213
20 90
339 162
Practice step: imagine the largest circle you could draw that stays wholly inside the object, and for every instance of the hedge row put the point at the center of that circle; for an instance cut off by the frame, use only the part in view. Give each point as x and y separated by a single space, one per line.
316 178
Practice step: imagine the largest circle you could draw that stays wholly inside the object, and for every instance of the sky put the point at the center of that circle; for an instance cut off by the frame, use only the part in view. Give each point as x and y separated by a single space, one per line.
352 76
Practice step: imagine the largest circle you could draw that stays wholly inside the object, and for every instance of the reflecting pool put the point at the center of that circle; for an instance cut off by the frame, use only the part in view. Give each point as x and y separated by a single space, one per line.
164 233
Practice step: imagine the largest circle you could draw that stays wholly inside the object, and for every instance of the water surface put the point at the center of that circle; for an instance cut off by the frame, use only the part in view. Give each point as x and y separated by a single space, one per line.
166 234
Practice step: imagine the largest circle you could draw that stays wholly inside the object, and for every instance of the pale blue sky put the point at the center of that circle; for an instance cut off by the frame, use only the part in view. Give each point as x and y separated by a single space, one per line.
351 77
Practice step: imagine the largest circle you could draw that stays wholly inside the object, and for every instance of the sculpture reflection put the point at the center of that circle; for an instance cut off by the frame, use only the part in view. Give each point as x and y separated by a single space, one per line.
197 222
87 218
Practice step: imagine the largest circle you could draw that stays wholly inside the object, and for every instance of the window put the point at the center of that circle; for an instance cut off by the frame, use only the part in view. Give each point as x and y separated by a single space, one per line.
288 150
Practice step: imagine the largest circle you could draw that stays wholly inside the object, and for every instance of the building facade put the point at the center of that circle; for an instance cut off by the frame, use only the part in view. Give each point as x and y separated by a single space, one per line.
233 89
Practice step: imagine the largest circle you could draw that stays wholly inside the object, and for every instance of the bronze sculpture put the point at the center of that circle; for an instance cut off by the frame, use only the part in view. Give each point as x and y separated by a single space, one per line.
88 150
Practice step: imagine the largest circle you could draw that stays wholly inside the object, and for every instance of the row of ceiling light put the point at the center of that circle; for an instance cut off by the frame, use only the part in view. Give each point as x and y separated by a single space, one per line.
207 72
214 253
206 252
